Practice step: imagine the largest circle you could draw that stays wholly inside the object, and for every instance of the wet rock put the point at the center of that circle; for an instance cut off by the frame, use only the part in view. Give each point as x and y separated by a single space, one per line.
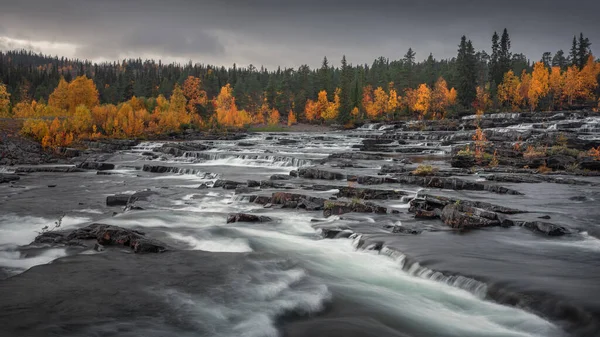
464 217
578 198
284 198
513 178
7 178
243 217
559 162
546 228
54 169
180 149
111 145
105 235
67 152
370 194
118 200
285 141
371 180
314 173
341 207
453 184
335 233
98 247
424 214
386 169
280 177
245 144
589 164
399 229
356 156
274 184
253 183
431 202
260 199
227 184
462 161
294 173
545 217
202 186
96 166
128 199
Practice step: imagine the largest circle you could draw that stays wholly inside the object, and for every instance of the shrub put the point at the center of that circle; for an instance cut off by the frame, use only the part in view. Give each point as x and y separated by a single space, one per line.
425 170
532 152
544 169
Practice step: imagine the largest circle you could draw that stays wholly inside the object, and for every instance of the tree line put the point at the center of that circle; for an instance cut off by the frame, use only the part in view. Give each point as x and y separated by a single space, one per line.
135 97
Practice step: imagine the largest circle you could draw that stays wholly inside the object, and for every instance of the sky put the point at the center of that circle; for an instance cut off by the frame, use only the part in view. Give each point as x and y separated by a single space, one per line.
288 33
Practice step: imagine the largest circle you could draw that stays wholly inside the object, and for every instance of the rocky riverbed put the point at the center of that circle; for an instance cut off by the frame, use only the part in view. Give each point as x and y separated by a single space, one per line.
387 230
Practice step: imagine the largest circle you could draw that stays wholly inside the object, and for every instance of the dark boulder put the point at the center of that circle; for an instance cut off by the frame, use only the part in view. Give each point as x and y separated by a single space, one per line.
589 164
546 228
560 162
7 178
465 217
356 156
227 184
462 161
314 173
92 165
280 177
243 217
104 235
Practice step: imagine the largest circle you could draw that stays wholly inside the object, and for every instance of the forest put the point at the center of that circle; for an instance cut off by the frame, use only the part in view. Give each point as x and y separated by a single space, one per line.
62 100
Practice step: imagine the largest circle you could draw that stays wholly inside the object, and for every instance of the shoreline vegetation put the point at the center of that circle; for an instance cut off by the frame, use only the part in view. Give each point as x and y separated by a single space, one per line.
68 103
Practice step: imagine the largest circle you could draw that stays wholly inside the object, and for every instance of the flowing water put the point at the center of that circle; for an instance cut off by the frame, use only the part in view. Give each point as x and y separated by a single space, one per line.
282 278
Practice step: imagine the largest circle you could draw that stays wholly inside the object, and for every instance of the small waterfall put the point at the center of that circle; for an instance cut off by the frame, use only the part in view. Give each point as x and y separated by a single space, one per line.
250 159
180 171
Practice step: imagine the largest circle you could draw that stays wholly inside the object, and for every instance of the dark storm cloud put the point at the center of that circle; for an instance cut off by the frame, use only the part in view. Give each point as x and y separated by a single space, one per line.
289 33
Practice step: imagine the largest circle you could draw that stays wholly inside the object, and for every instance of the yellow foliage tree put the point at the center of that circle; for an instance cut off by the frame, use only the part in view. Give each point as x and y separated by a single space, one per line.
539 86
422 104
274 117
4 101
59 99
81 122
508 91
331 109
440 97
227 112
82 91
573 84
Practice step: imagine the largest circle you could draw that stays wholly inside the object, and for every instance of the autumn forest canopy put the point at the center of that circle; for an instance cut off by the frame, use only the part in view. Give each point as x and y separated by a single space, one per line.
63 100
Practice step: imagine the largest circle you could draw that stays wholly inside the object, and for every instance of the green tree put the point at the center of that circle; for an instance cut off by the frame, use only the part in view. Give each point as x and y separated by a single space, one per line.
467 73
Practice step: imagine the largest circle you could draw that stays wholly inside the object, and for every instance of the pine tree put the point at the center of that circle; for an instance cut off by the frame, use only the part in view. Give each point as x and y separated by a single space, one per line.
345 103
547 59
409 65
505 56
559 59
583 51
467 73
573 59
495 74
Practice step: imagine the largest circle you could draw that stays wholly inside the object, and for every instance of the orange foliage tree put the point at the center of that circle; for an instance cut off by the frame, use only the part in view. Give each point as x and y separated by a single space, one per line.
291 118
422 103
556 83
274 117
440 98
226 111
192 90
539 86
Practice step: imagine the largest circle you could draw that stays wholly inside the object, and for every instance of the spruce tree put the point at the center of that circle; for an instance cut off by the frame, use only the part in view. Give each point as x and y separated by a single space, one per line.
345 104
495 75
559 59
466 64
583 50
505 57
573 59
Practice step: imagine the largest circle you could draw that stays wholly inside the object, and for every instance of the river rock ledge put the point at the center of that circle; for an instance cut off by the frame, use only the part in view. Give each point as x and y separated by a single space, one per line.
105 235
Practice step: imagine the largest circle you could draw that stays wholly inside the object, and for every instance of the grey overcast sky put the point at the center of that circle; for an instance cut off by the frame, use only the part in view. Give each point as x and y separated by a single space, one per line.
288 33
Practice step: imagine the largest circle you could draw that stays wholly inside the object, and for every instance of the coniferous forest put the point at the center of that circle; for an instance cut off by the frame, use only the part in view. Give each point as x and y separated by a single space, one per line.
65 99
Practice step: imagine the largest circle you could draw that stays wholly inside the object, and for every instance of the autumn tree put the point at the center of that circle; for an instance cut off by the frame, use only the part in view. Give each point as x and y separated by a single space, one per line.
82 91
394 101
508 91
227 112
192 90
440 97
572 84
482 101
82 121
330 109
556 83
423 102
59 99
291 118
311 110
524 87
539 86
4 101
274 117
